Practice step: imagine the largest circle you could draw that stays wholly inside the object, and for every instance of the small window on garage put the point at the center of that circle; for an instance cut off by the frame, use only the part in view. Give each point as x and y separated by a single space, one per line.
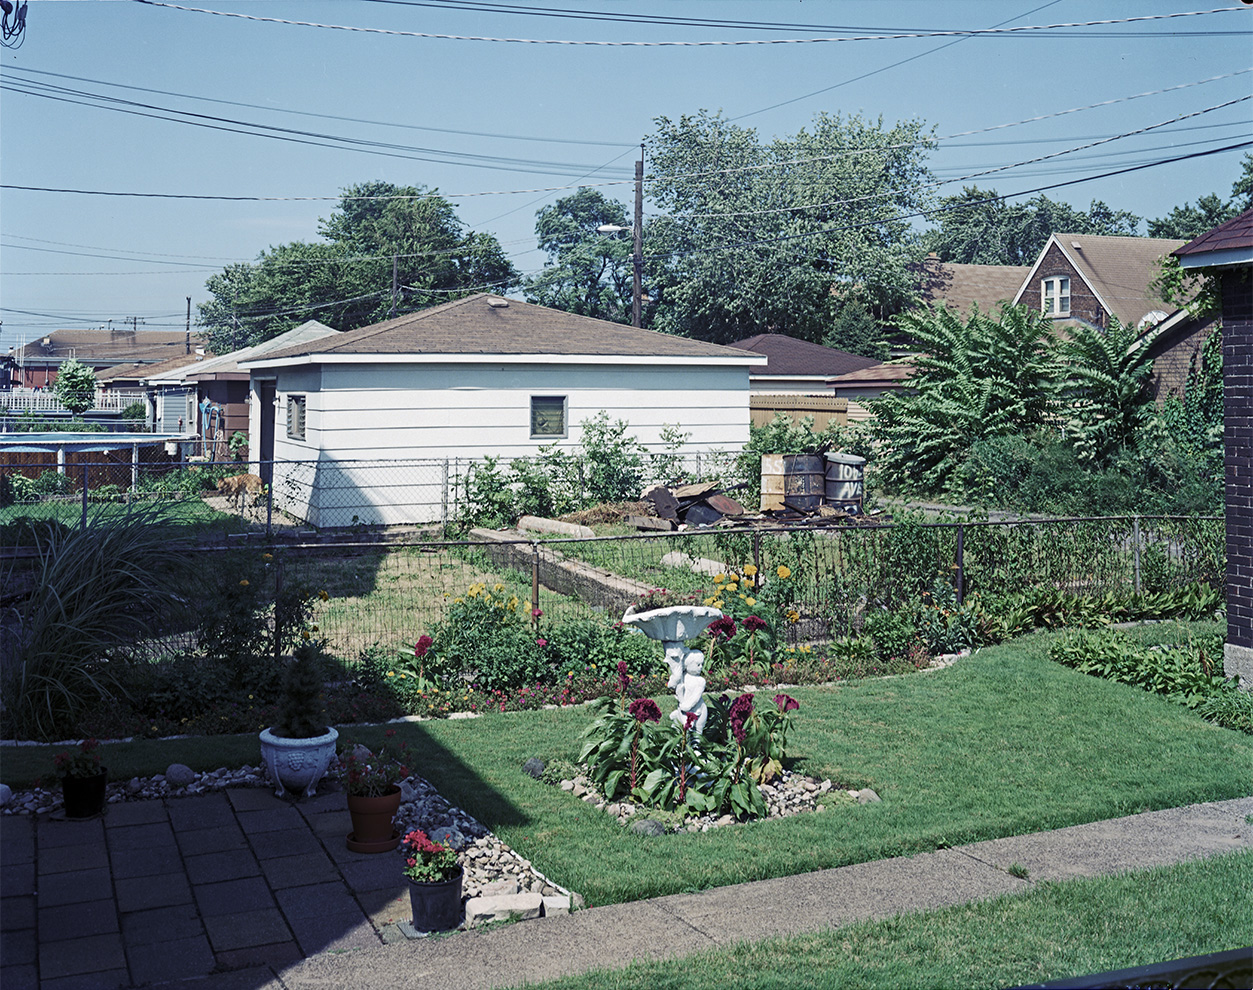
296 417
548 416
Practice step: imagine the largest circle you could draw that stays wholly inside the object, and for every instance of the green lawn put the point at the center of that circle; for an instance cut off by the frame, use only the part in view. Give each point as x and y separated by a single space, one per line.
1055 931
1003 743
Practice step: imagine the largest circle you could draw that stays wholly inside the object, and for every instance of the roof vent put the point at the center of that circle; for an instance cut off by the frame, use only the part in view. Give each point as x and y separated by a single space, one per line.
1076 245
497 303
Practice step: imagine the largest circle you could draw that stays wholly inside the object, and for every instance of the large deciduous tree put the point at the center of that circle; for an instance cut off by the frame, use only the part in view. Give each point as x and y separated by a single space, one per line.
587 271
977 227
346 281
766 237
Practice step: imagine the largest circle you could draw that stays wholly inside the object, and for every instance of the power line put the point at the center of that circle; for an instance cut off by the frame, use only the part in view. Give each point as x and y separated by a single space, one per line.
1022 30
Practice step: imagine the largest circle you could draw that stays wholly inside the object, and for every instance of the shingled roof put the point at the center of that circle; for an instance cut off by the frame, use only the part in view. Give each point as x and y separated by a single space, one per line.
486 325
962 286
790 356
105 348
1118 270
1229 243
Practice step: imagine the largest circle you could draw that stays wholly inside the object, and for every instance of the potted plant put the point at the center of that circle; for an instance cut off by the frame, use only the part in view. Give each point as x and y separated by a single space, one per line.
299 747
83 780
372 786
434 876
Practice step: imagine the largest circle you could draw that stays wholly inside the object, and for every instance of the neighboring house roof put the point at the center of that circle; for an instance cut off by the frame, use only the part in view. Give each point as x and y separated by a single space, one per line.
485 327
1229 243
228 364
137 373
1118 270
103 348
963 286
791 357
890 374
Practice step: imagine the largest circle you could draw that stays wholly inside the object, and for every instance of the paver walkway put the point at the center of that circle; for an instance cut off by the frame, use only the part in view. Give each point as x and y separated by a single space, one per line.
160 890
264 895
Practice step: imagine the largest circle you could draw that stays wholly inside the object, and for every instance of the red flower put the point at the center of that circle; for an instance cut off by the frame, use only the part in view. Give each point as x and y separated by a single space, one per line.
741 709
786 703
623 677
722 627
644 710
692 719
754 623
423 644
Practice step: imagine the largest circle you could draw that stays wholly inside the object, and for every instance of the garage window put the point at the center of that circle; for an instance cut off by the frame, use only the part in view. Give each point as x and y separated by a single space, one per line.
295 417
548 416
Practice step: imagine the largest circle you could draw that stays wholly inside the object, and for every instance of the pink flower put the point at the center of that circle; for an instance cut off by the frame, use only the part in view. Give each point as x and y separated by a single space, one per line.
423 644
541 641
786 703
536 613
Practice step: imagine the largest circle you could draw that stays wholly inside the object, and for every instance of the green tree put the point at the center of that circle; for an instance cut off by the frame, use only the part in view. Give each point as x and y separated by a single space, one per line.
75 387
587 272
755 236
977 227
854 329
976 379
1107 388
1188 221
346 282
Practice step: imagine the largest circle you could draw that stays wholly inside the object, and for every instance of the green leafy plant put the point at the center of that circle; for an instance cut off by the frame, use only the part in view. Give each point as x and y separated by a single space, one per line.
487 639
370 774
300 707
1185 673
427 861
84 761
75 387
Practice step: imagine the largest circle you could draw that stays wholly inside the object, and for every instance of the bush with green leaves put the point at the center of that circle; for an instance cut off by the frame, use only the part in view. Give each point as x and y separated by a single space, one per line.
487 638
75 386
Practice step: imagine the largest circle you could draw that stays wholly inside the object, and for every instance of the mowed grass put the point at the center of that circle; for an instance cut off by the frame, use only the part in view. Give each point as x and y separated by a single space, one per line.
1055 931
1005 742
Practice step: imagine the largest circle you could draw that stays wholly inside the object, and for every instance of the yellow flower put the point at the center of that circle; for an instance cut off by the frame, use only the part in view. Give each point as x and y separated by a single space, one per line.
744 598
719 578
391 673
267 556
243 583
709 600
732 586
403 676
750 602
498 587
304 633
750 570
249 698
717 603
793 615
783 572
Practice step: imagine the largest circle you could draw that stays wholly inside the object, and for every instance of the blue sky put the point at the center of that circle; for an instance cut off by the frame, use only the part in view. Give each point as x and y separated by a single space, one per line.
562 115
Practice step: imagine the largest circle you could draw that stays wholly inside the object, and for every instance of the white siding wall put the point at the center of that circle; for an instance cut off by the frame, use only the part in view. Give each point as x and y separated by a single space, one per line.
396 412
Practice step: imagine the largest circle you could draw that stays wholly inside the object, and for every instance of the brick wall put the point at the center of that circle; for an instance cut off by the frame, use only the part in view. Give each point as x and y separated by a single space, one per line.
1238 444
1083 304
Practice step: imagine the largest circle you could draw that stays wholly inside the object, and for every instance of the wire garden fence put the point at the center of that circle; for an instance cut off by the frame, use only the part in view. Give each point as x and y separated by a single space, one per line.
383 597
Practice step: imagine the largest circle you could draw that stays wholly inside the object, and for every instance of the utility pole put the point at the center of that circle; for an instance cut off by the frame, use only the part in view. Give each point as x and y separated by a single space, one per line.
637 261
187 339
395 285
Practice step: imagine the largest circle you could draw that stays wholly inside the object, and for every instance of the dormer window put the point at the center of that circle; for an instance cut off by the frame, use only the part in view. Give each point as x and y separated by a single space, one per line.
1055 296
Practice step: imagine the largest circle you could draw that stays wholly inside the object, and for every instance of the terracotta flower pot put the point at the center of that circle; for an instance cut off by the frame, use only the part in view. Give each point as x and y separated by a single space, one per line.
372 830
436 906
84 797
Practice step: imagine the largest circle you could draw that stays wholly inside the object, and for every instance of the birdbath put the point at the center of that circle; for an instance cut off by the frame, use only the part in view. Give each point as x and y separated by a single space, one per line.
672 627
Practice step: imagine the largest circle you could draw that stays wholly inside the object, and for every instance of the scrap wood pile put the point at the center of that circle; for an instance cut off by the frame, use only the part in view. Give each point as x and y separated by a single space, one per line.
707 504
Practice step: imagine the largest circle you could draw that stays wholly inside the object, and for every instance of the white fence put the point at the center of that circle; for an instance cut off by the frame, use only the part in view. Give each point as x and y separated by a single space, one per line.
29 400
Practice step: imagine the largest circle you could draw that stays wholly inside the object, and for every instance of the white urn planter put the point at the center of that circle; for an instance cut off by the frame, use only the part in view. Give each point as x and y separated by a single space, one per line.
297 765
672 626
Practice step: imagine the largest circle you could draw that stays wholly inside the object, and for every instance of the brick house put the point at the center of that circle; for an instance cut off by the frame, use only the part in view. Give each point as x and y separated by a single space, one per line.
1226 252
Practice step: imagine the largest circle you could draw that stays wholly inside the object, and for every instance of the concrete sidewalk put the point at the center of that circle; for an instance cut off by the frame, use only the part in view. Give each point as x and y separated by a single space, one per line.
165 891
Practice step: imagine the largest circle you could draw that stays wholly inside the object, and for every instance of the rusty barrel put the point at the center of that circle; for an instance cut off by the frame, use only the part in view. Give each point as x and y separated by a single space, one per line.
798 478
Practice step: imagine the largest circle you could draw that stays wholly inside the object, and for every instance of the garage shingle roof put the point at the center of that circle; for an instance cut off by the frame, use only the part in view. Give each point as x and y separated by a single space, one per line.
487 325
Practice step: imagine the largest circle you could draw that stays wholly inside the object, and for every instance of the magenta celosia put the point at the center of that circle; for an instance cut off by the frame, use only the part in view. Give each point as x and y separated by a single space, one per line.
786 703
645 710
754 623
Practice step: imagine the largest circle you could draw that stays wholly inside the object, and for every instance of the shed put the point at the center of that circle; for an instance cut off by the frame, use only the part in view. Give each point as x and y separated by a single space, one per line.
370 425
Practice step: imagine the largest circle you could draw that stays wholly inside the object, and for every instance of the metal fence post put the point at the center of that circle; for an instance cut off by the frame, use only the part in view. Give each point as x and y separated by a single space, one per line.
269 504
278 623
1135 535
83 525
757 558
961 563
534 578
443 504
